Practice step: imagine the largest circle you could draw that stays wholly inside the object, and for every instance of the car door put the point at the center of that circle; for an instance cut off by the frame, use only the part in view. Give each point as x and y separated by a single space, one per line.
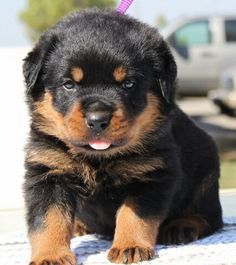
196 57
228 43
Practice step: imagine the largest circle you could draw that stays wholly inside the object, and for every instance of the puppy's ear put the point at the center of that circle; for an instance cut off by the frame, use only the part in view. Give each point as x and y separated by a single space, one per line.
35 59
165 70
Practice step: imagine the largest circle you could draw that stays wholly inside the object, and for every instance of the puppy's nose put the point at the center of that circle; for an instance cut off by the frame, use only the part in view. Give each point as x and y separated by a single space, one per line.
97 121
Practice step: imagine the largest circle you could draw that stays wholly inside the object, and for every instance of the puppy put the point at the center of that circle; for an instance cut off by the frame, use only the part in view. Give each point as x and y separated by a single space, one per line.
109 151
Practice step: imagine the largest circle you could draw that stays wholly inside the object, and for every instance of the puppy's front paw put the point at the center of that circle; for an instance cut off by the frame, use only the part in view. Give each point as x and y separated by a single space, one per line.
130 255
54 258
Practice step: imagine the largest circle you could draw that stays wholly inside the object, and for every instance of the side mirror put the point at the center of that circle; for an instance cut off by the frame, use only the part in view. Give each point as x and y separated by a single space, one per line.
183 51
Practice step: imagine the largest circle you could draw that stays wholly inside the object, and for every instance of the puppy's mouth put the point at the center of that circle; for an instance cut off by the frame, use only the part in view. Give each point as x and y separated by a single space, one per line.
100 145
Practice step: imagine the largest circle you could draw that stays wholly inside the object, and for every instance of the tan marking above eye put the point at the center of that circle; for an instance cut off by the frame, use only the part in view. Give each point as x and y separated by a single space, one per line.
77 74
120 73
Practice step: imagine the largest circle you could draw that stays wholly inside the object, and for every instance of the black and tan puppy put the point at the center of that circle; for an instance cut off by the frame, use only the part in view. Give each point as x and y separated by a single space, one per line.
109 151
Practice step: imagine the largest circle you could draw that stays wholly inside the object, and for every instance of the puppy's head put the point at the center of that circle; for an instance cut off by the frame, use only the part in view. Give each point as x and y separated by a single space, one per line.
100 82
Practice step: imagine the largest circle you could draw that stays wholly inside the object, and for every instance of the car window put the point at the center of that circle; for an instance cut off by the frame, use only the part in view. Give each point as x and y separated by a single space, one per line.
230 30
194 33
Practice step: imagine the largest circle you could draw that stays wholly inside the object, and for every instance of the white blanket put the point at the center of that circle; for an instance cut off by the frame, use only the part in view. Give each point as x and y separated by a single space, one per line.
218 249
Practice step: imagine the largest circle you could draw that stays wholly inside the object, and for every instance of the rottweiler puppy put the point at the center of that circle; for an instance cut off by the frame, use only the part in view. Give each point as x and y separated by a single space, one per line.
109 151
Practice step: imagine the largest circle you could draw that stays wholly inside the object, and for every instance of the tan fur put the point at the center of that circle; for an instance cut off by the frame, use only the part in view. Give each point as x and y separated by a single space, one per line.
76 126
120 73
47 119
60 162
52 158
133 232
136 133
52 243
50 121
147 120
80 229
135 168
77 74
144 124
72 128
119 124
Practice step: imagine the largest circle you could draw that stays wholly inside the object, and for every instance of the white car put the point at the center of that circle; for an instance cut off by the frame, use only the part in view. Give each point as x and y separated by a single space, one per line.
225 95
203 47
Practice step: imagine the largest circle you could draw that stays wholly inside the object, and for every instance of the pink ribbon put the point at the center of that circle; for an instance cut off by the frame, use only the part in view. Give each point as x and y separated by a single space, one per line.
124 5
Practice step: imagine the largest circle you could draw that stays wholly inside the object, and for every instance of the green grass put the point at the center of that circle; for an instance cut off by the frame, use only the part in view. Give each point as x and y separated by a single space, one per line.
228 174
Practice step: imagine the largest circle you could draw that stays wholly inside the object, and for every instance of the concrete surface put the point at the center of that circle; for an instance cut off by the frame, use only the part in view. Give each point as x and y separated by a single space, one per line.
228 202
208 111
206 115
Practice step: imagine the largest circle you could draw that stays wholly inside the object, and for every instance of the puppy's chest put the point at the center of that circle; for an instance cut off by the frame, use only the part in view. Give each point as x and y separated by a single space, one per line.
93 174
99 174
118 172
107 177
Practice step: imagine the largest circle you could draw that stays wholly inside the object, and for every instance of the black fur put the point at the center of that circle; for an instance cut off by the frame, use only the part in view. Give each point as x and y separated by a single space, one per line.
98 42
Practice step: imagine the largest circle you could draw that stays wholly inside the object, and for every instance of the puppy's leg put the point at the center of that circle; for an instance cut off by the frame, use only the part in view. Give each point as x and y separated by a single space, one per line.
135 237
50 223
80 229
51 244
201 218
183 230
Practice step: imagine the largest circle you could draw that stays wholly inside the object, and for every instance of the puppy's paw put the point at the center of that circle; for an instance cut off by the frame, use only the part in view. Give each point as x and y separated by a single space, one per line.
183 231
130 255
65 257
178 235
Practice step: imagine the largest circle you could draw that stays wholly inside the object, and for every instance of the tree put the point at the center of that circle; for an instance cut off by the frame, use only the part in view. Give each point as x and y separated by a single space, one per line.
41 14
161 21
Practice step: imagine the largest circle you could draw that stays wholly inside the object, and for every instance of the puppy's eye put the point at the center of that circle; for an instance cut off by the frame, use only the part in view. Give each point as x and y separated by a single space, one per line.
69 85
128 84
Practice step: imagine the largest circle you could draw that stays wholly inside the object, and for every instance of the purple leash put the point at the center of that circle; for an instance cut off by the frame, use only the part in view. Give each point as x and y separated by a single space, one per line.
124 5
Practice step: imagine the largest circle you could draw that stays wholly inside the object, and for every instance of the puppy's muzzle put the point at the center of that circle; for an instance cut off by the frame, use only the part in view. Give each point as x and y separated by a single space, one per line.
98 116
97 121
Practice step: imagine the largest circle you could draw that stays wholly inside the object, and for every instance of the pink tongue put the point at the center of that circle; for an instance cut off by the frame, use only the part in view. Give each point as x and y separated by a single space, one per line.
99 144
